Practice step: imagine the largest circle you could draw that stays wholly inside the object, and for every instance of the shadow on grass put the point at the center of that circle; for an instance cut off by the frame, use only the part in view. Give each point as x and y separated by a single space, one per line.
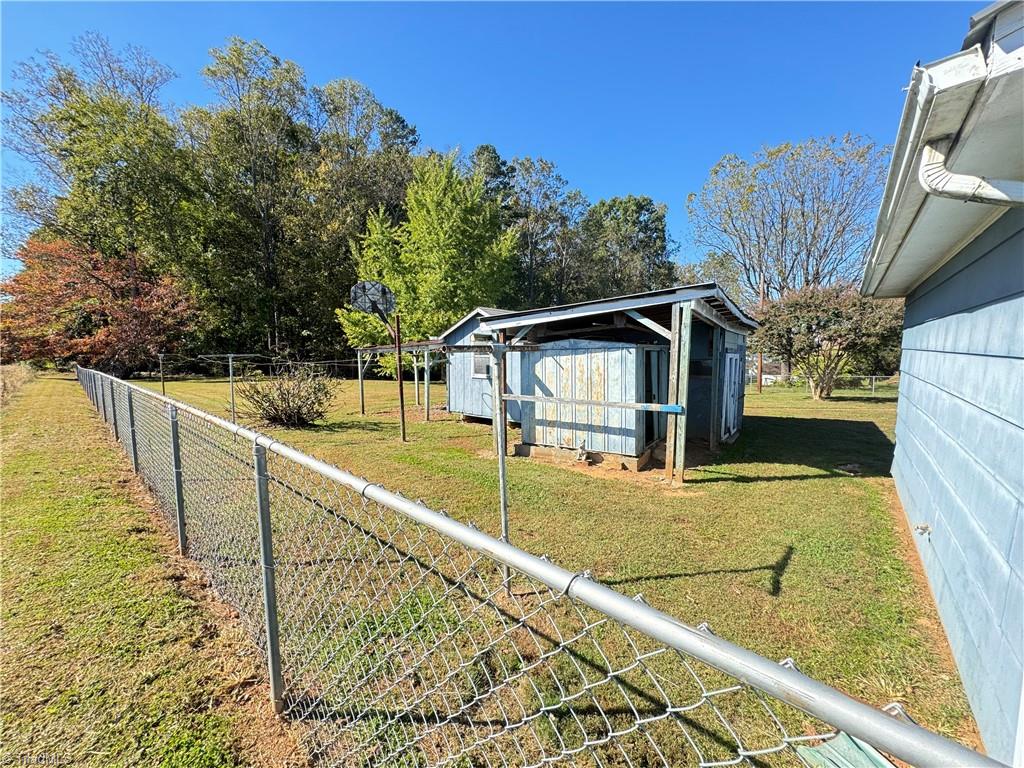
834 447
863 398
353 425
777 570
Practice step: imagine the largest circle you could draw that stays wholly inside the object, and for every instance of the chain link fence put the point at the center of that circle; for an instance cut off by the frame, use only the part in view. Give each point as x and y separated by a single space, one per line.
845 384
392 633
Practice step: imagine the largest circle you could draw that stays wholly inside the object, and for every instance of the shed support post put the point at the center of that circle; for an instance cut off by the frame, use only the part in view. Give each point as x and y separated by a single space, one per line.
498 420
717 347
426 385
259 453
132 431
179 490
416 376
678 387
359 370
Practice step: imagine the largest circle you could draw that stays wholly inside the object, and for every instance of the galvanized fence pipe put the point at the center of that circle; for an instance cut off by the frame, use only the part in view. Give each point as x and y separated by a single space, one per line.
385 566
179 492
259 453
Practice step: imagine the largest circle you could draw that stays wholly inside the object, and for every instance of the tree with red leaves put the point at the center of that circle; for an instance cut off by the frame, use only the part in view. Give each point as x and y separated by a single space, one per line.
71 305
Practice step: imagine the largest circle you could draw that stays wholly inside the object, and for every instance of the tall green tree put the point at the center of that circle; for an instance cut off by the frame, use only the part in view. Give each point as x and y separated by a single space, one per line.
289 175
249 147
449 255
108 172
627 246
542 209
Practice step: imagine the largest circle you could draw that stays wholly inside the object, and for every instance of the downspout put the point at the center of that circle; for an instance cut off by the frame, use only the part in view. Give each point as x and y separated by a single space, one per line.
937 179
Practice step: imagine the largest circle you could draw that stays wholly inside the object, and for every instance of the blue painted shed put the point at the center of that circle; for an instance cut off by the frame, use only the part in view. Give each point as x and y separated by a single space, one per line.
950 238
574 363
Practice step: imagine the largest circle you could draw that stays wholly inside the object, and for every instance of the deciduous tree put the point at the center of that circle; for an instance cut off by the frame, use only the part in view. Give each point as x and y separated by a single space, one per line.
823 328
627 247
69 305
451 253
794 216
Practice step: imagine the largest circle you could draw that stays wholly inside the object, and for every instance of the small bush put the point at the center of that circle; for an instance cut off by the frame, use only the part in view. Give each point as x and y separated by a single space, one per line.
293 396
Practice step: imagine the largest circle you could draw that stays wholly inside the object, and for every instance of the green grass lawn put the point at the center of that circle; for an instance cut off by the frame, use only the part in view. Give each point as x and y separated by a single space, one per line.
113 653
773 545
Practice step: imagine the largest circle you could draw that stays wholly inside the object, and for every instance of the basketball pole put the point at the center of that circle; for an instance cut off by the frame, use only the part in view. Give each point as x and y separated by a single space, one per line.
398 370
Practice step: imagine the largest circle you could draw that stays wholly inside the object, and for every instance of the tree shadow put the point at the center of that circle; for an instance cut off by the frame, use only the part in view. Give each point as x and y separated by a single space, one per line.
777 570
353 425
833 447
863 398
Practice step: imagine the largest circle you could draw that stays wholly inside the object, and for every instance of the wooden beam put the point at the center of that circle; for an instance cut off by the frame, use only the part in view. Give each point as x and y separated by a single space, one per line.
649 324
359 369
657 407
525 330
673 394
717 347
678 387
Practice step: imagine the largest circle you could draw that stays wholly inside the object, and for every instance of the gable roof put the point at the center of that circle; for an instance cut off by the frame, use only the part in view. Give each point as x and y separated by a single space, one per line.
473 313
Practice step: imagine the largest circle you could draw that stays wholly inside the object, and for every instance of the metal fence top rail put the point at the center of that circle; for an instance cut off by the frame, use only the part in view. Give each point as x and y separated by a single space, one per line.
900 738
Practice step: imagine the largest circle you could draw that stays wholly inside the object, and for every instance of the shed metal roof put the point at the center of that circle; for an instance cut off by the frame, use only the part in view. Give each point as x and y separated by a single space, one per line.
710 293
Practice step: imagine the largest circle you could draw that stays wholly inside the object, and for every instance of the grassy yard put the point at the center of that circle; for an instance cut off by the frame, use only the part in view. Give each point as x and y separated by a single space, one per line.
774 545
114 653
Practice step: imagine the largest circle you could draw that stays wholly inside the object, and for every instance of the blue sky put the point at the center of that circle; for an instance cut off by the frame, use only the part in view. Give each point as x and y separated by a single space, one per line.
624 98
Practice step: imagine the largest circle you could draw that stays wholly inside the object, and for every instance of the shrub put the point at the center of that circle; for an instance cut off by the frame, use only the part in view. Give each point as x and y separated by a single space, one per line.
293 396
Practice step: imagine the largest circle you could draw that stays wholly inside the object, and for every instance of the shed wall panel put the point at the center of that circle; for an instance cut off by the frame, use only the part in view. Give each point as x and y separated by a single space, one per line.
471 395
959 462
582 370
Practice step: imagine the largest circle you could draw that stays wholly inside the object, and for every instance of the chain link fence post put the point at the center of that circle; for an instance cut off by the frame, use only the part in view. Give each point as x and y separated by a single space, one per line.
113 410
131 429
259 454
179 494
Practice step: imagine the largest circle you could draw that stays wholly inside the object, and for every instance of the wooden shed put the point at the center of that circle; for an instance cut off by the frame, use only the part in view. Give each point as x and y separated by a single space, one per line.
612 377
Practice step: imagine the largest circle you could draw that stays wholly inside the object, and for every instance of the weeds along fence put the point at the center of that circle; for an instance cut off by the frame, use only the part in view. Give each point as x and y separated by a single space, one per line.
390 631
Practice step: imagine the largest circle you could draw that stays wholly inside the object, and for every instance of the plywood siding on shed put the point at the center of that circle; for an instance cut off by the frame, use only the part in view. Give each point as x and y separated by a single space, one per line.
959 462
471 395
583 370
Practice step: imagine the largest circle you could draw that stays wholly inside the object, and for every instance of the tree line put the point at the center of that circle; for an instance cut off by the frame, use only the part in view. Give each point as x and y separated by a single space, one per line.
240 225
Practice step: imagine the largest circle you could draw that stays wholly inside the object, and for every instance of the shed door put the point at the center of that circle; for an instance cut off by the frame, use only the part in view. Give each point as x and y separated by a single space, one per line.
731 394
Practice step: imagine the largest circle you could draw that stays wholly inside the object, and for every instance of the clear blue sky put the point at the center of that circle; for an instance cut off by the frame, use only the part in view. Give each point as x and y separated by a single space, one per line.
624 98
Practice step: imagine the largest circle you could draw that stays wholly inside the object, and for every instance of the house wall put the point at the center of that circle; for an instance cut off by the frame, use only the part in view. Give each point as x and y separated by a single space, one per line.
473 396
959 463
